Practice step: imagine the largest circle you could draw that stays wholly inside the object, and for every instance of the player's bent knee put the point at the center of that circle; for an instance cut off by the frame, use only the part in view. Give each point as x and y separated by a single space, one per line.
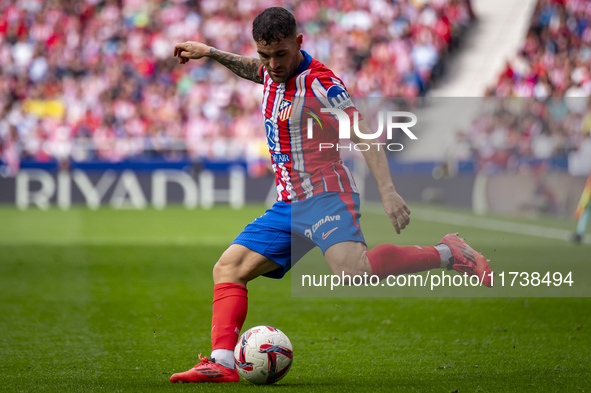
350 271
350 266
348 259
347 277
240 265
218 270
228 267
230 270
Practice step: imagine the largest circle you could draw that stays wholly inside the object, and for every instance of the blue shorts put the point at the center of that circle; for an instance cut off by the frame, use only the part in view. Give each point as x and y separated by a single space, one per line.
287 231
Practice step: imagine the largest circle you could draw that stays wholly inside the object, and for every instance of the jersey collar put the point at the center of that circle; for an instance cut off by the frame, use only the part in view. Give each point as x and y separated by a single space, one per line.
303 65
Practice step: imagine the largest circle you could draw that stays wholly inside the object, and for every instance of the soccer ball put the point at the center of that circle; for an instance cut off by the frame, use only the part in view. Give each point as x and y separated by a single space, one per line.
263 355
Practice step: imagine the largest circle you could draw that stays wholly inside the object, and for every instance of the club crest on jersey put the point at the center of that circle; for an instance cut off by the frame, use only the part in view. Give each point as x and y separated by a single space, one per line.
284 109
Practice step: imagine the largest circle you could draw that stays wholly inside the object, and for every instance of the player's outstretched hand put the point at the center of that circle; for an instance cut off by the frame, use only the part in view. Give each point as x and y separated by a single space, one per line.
190 50
397 210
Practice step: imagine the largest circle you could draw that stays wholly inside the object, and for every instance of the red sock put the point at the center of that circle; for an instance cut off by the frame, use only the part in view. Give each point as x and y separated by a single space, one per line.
389 259
230 303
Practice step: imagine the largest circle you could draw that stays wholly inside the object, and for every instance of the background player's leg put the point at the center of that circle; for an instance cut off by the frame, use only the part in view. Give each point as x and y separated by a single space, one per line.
583 212
583 222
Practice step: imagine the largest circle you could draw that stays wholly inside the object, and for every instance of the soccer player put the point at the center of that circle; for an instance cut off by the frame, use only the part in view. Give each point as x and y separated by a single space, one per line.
583 212
311 184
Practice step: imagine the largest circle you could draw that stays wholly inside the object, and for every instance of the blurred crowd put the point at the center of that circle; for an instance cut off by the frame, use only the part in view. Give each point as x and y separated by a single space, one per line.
554 68
95 79
555 59
521 135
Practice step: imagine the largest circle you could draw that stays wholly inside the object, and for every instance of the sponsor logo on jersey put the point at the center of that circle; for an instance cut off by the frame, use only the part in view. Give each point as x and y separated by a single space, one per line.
325 220
284 110
325 235
270 129
280 158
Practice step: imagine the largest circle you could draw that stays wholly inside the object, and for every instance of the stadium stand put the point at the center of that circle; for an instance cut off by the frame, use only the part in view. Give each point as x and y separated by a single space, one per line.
87 80
555 57
522 135
554 128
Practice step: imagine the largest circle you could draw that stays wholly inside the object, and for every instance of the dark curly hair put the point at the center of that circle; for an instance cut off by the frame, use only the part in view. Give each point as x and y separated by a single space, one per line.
272 25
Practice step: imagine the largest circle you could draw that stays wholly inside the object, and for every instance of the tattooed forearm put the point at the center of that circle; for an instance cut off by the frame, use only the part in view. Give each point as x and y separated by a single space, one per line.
243 66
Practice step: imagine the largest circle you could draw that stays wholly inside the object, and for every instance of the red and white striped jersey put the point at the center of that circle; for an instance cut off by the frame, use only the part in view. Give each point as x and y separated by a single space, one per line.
301 168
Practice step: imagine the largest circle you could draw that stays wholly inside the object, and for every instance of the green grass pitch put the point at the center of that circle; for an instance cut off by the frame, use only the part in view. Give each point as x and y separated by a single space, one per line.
116 301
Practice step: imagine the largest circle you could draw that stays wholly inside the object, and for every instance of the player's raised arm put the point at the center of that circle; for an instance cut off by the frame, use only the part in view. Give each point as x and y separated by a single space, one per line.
244 66
394 205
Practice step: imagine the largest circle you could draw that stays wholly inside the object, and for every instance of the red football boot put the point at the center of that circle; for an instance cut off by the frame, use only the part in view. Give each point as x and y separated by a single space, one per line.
466 260
207 371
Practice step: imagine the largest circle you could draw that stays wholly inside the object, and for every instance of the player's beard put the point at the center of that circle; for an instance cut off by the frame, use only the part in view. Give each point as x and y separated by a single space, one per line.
281 78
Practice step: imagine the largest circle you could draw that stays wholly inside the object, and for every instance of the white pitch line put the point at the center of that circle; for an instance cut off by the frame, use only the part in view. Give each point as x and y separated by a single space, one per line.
489 224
